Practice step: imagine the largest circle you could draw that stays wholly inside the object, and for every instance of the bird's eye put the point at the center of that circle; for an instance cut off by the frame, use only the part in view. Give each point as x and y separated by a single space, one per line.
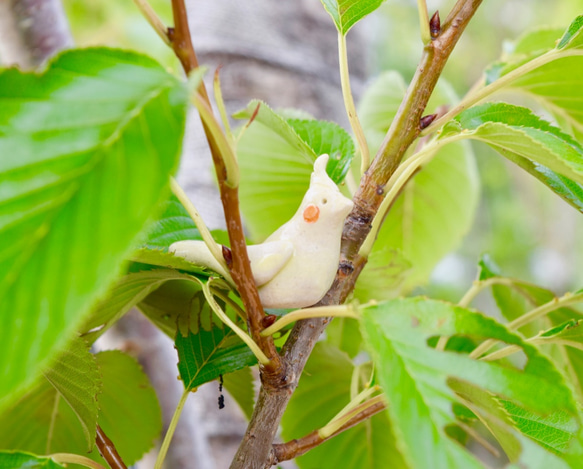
324 201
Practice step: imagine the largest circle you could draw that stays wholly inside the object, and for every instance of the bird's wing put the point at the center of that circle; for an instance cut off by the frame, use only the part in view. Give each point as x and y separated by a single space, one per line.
268 258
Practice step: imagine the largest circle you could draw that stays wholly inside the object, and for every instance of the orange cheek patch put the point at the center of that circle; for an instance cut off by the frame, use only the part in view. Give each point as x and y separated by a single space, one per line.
311 214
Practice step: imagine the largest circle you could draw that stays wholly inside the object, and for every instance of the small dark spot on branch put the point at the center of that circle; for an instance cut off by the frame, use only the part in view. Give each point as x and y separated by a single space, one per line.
435 25
170 33
228 256
345 268
426 121
268 320
380 190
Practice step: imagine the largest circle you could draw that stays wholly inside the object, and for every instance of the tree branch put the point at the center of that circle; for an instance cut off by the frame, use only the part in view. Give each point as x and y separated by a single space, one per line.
107 450
256 445
294 448
241 268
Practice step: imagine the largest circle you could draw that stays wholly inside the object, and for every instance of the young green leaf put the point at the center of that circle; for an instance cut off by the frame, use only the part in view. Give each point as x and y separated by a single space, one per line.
573 37
276 163
323 390
444 193
415 376
346 13
18 459
88 147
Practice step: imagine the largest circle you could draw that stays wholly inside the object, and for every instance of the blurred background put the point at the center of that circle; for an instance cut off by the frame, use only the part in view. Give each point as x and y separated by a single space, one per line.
285 53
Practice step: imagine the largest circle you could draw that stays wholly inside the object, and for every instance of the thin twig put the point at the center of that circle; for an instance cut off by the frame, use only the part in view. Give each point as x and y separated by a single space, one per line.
294 448
241 267
108 451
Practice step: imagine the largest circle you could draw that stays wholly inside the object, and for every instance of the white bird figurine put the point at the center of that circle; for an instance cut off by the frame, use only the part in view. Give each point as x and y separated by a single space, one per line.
296 265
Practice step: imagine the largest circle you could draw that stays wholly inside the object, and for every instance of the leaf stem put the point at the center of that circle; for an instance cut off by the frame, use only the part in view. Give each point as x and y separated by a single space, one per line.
348 413
424 21
68 458
338 311
339 419
236 329
222 108
349 104
171 430
556 303
200 225
223 144
478 95
154 20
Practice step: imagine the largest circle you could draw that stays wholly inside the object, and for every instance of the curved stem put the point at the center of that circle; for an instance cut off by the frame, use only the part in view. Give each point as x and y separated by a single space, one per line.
480 94
201 226
157 25
208 294
68 458
339 419
338 422
171 430
339 311
349 104
556 303
480 285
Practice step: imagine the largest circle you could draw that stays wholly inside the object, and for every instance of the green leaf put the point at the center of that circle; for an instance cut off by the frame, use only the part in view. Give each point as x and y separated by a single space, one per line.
75 376
43 422
552 75
61 417
129 411
127 292
445 194
330 138
346 13
276 164
323 390
207 349
573 37
206 355
241 386
415 376
18 459
516 300
176 301
87 150
553 432
516 132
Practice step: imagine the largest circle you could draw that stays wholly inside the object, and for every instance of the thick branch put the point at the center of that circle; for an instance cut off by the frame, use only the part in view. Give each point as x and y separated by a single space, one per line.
294 448
241 267
108 451
256 445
